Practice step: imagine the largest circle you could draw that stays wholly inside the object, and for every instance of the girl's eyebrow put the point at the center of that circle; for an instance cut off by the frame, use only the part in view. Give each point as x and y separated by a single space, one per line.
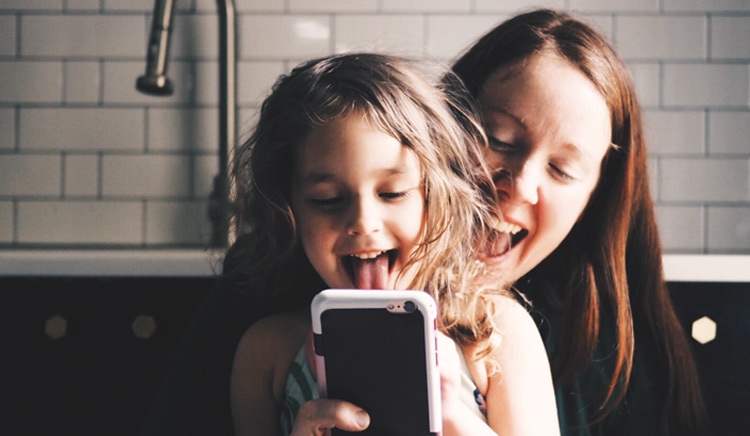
321 177
317 177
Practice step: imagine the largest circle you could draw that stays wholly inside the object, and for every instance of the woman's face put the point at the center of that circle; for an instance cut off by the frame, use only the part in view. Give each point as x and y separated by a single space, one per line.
549 129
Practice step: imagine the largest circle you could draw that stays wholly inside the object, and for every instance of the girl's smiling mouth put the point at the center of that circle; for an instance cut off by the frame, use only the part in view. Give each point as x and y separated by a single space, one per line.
370 270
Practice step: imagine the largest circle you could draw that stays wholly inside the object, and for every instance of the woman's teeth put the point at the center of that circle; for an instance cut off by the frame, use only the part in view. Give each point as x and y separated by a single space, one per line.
506 227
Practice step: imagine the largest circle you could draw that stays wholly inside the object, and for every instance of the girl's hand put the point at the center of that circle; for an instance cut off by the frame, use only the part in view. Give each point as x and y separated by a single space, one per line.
450 376
458 419
317 417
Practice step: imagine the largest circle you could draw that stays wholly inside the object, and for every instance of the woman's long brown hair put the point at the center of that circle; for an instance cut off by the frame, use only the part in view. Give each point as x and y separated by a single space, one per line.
611 260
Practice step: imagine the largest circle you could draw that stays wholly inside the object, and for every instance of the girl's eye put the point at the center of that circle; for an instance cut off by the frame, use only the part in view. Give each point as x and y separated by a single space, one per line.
393 195
397 195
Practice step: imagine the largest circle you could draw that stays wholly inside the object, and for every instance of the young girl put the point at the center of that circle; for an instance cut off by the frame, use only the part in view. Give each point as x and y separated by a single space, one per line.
360 174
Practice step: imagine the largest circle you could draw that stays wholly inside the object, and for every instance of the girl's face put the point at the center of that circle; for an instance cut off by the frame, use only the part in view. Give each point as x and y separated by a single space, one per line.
359 204
550 128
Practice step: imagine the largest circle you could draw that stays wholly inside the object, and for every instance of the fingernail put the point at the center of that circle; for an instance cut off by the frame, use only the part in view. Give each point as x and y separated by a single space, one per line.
362 418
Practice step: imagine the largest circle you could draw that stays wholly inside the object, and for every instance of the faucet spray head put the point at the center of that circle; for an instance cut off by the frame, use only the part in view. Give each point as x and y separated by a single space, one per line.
155 81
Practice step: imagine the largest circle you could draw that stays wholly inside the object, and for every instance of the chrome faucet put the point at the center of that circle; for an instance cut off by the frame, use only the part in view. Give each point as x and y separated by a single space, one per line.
155 82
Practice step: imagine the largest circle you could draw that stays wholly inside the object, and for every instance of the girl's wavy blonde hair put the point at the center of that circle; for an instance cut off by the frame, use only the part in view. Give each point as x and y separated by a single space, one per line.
435 121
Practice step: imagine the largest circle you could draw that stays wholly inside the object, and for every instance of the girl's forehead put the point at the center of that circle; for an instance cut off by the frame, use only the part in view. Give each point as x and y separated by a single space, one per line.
352 144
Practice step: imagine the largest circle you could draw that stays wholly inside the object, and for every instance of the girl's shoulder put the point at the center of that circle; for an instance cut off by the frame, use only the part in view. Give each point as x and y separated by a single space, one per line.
520 392
283 326
268 347
275 337
508 305
518 331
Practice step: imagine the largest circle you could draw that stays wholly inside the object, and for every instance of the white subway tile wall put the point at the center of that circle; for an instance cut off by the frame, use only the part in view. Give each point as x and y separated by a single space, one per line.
714 85
448 45
334 6
7 128
729 37
8 42
82 82
80 222
661 37
86 160
675 132
402 34
6 222
682 227
728 132
82 5
516 5
81 176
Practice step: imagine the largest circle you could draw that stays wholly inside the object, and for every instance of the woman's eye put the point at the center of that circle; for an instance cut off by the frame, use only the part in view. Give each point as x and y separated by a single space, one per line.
561 174
501 146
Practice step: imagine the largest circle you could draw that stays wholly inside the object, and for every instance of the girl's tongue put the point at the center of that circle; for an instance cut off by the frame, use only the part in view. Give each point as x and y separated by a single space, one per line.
370 273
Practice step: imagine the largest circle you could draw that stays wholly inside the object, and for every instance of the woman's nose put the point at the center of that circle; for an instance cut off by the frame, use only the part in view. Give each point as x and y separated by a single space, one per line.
364 218
519 185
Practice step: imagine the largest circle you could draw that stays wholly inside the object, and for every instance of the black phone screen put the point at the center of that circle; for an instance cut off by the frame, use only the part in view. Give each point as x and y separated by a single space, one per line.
376 360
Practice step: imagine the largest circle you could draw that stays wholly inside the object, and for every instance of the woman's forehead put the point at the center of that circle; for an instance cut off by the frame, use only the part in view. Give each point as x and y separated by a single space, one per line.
551 99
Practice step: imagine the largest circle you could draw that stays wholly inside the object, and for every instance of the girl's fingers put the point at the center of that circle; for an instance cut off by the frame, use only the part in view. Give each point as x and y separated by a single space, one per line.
316 417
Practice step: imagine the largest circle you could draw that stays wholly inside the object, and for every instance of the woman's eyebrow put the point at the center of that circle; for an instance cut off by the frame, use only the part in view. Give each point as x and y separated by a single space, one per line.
507 113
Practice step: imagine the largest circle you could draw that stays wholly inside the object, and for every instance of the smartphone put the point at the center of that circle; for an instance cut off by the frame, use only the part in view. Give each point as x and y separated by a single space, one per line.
378 350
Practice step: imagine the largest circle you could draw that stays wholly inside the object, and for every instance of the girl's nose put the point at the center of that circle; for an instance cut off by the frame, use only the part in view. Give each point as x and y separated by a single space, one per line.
364 218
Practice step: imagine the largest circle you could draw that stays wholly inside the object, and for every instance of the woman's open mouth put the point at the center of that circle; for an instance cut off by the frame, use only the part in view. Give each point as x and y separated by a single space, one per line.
503 238
371 270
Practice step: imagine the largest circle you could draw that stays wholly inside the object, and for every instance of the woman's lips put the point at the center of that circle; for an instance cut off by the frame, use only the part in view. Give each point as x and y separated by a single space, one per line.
503 237
497 244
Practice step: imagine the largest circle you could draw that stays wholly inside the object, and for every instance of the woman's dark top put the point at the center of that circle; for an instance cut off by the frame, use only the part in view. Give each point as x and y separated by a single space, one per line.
578 402
193 398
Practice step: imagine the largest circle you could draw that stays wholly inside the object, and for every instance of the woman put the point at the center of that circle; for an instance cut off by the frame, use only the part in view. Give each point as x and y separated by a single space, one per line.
569 156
